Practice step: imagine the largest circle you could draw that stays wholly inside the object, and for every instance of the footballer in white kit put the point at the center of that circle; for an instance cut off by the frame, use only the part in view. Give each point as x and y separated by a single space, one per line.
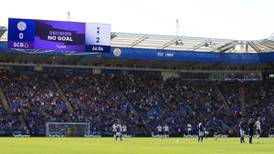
258 129
124 130
189 129
114 130
166 129
118 132
159 130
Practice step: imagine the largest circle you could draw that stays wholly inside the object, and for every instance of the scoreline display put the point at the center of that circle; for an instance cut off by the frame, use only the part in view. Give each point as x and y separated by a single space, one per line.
58 35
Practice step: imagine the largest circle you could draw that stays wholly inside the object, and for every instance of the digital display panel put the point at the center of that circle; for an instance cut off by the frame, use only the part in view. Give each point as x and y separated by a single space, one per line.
58 35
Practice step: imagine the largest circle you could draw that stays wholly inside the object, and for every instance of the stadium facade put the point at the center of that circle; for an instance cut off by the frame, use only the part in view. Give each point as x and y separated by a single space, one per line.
177 53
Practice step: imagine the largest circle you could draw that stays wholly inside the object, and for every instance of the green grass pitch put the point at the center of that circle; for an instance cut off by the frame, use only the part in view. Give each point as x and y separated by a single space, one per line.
132 146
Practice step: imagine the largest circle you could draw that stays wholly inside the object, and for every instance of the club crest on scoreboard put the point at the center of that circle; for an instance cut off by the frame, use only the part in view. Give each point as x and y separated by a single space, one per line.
21 26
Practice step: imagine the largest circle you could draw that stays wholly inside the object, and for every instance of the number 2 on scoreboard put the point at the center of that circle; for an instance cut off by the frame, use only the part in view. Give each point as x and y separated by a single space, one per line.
98 39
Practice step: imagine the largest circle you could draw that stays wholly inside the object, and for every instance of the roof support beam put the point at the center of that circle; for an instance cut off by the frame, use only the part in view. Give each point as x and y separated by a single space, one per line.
226 47
207 43
141 39
169 43
199 45
265 46
268 43
254 46
2 31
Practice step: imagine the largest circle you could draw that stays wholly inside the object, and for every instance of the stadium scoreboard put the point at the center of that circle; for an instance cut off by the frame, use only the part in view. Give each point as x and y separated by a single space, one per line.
58 35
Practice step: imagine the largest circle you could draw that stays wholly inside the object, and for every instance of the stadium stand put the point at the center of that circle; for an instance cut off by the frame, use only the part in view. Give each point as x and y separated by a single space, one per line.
142 101
214 83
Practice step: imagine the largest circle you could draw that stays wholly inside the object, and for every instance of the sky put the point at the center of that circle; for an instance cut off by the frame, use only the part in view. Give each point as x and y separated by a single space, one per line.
227 19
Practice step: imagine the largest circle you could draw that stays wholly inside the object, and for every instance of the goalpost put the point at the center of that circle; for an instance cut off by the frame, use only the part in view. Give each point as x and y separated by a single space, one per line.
67 129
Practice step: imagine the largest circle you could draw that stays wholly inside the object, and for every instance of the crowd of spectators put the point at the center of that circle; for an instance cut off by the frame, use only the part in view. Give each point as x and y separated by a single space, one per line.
33 96
8 122
139 101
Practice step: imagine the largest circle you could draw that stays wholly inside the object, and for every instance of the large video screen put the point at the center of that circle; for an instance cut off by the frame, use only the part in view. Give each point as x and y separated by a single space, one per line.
58 35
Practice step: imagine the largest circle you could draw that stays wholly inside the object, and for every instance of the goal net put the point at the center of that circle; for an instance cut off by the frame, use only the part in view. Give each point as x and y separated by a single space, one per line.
67 129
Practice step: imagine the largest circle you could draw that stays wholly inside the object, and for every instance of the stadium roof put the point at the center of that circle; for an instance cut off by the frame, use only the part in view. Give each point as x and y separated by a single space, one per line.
152 41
